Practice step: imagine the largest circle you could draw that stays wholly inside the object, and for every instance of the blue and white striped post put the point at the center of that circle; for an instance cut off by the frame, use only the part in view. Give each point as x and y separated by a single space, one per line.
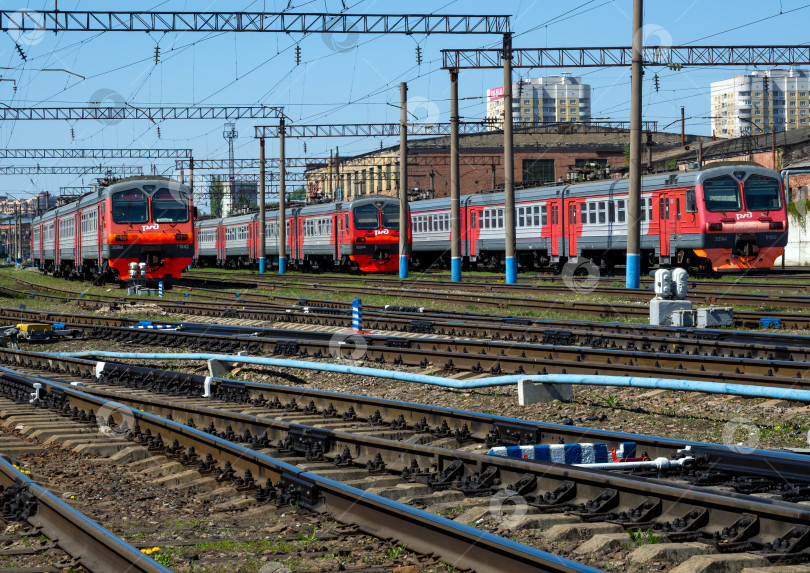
160 288
357 315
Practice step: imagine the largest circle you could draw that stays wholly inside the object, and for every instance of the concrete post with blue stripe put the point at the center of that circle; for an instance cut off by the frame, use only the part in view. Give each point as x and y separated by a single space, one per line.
160 288
455 199
404 216
357 315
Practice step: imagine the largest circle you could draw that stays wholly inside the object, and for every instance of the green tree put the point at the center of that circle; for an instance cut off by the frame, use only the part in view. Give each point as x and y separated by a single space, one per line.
215 196
298 195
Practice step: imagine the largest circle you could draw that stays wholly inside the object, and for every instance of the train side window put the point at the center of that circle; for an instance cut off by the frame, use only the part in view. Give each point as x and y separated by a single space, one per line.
500 218
620 214
691 201
661 208
666 207
678 208
643 211
346 221
602 218
544 215
583 214
536 215
592 213
649 208
611 212
572 214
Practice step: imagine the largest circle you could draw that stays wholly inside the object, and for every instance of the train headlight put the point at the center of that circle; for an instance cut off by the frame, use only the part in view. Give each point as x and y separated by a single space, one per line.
361 239
122 238
181 237
714 226
776 225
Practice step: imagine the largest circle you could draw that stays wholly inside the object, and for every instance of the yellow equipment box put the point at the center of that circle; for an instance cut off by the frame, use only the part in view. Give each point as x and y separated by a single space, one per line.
34 327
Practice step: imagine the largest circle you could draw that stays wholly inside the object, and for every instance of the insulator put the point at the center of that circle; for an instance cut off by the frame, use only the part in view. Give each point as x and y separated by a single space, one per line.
157 54
297 55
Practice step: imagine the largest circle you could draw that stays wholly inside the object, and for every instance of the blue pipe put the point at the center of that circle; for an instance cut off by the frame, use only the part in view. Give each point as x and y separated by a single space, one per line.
282 265
580 379
262 265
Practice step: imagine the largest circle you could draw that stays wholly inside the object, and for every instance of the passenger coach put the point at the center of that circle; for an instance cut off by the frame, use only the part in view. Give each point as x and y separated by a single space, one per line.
729 217
358 235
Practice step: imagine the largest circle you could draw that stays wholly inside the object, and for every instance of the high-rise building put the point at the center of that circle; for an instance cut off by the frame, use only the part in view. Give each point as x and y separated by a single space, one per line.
761 102
536 100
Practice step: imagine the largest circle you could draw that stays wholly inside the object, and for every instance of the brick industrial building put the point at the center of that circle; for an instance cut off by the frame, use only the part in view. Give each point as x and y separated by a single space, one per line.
543 154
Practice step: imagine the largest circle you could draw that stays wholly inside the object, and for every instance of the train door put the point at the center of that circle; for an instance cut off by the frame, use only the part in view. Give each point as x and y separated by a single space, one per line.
571 229
556 228
665 220
78 240
337 226
473 234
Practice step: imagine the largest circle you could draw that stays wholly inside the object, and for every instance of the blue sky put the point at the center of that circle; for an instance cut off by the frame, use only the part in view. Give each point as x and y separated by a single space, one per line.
345 79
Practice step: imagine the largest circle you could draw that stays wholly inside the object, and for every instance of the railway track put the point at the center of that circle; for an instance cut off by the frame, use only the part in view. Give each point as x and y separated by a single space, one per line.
745 363
765 283
492 294
314 457
250 468
88 545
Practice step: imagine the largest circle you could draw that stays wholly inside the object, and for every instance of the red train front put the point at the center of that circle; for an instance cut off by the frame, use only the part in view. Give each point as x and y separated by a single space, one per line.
742 217
371 240
142 222
150 225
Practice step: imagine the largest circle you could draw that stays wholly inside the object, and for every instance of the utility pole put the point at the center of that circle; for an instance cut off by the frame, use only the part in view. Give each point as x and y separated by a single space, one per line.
633 265
508 163
18 235
230 134
455 202
329 181
191 174
282 207
262 216
683 127
403 181
338 186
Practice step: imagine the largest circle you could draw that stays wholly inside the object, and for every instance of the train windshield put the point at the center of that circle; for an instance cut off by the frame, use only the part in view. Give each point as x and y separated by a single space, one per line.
366 217
169 206
390 216
762 194
721 194
130 206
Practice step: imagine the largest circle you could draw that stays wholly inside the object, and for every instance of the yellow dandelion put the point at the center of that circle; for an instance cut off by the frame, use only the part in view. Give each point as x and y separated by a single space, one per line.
148 552
778 427
156 549
72 497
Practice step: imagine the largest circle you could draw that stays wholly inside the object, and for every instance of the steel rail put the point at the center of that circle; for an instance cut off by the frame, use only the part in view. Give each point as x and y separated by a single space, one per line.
457 544
290 403
733 520
480 357
91 545
636 338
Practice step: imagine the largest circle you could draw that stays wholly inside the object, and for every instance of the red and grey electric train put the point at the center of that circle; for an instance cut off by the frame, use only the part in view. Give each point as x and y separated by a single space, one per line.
728 217
145 220
358 235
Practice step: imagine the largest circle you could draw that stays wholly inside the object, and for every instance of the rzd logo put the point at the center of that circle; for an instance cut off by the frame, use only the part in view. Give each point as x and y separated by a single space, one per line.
380 232
748 215
154 227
